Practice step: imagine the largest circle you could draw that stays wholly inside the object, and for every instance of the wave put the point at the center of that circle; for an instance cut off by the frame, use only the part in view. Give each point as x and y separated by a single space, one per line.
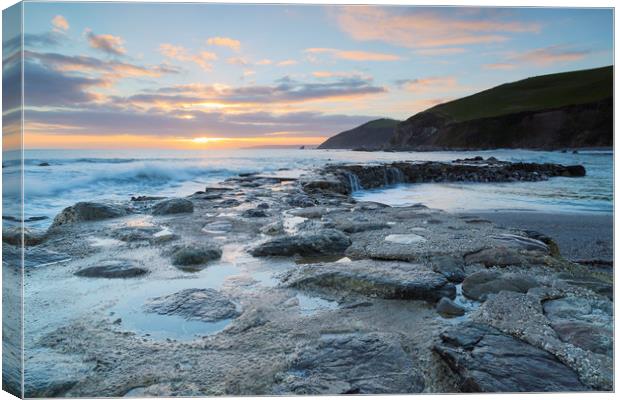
127 179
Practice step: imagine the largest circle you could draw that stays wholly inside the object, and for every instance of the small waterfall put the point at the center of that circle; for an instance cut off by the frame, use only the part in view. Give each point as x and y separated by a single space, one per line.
393 176
354 182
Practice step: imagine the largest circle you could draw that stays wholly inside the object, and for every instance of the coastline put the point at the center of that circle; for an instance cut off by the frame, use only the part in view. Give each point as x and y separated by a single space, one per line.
274 285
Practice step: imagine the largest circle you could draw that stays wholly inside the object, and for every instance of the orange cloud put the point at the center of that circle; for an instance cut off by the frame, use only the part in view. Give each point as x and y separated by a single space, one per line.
224 42
421 28
353 55
202 59
60 23
499 66
286 63
551 55
265 61
107 43
542 57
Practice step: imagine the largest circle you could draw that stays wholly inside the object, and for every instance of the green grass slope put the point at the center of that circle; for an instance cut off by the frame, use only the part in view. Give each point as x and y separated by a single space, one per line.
536 93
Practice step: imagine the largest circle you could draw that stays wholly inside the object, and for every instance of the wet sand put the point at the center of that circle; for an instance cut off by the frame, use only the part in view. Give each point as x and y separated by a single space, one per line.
580 236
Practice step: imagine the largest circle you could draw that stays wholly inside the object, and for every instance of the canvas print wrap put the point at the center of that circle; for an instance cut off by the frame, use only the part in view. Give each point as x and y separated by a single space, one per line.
312 200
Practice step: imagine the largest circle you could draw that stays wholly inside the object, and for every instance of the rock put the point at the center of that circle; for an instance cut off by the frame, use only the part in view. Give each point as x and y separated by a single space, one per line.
449 308
195 254
479 285
228 203
263 206
352 226
254 213
585 323
31 237
273 229
44 164
310 212
112 269
207 305
173 206
88 211
312 243
486 360
370 363
146 198
135 234
520 243
300 200
411 238
448 266
388 280
503 256
521 315
589 281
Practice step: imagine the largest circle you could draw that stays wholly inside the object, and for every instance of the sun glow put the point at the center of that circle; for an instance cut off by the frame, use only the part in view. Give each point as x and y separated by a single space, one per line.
202 140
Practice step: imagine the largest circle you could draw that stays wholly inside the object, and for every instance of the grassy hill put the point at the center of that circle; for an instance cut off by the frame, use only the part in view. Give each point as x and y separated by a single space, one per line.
536 93
371 135
569 109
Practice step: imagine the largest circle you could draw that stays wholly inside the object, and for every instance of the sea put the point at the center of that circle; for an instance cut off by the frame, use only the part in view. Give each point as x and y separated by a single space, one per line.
117 175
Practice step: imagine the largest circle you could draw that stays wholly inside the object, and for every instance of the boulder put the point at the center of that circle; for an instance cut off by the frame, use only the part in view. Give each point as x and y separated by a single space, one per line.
487 360
479 285
449 308
197 254
207 305
31 237
312 243
449 266
368 363
112 269
388 280
88 211
173 206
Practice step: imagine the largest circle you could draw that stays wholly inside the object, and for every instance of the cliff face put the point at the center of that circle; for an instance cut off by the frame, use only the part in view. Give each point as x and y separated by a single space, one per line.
582 125
372 135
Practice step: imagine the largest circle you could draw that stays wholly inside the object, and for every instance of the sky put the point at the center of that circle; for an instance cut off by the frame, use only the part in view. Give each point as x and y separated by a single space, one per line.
123 75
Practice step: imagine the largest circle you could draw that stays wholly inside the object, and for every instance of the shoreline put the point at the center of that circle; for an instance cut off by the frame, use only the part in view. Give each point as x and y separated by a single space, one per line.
267 285
580 235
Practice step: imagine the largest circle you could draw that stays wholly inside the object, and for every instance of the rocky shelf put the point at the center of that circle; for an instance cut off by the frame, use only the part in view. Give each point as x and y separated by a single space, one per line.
347 178
297 288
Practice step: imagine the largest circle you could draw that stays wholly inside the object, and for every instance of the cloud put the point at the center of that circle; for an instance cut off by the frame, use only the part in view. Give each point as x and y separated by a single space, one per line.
543 56
224 42
109 44
501 66
431 84
417 27
265 61
353 55
551 55
47 87
202 58
341 74
237 61
284 91
108 70
286 63
102 121
60 23
48 39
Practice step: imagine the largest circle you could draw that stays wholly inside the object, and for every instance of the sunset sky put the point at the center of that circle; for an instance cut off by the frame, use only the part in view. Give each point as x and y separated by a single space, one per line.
207 76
